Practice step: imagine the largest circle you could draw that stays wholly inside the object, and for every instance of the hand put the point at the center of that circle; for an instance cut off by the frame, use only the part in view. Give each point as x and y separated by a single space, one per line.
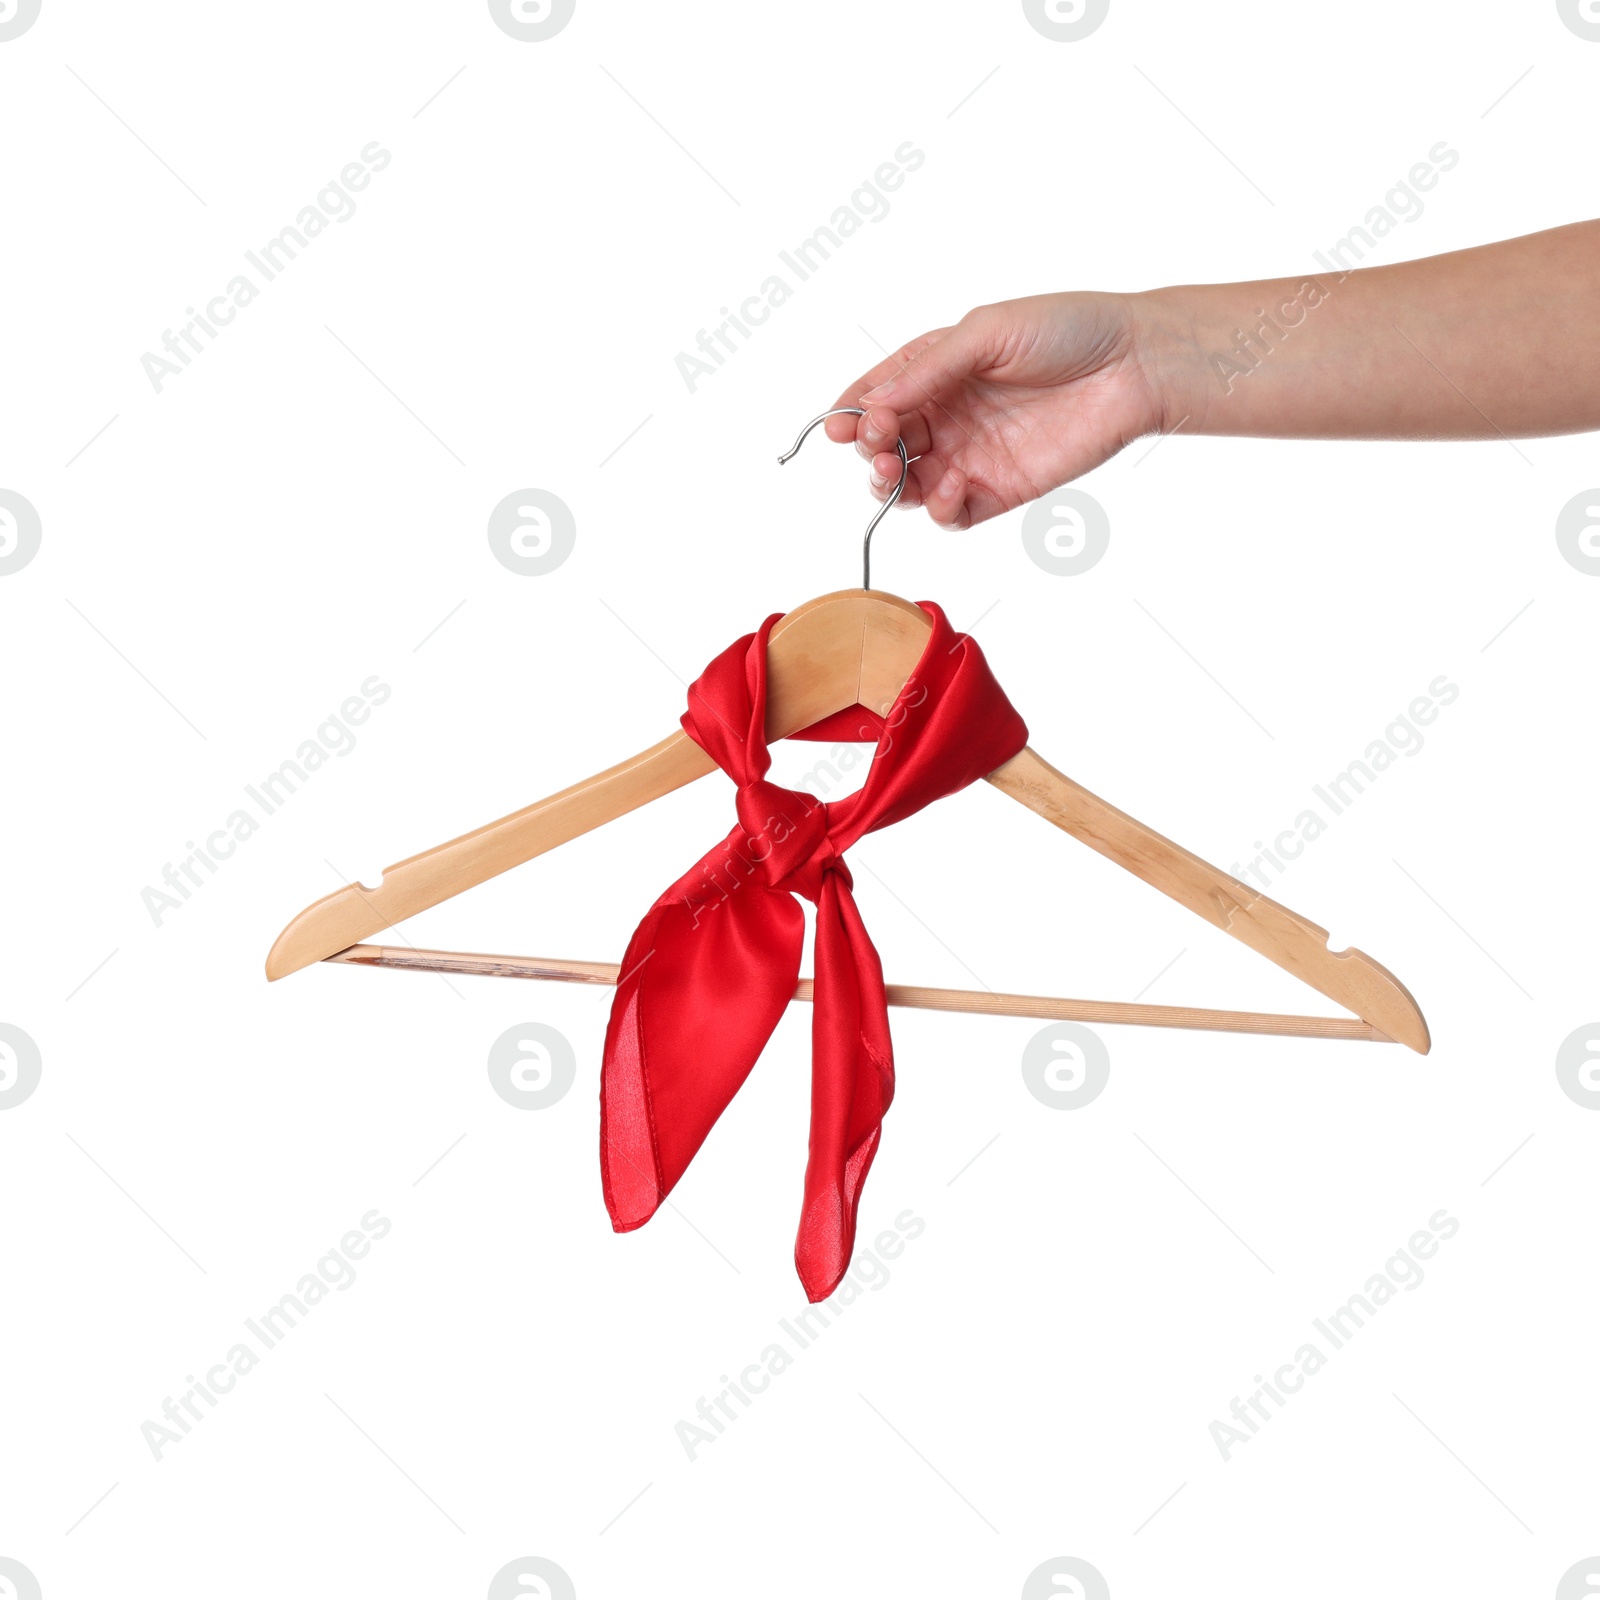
1014 400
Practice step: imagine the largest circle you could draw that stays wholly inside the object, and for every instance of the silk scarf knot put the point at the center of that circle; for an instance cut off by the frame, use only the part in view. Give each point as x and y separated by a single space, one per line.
715 961
786 836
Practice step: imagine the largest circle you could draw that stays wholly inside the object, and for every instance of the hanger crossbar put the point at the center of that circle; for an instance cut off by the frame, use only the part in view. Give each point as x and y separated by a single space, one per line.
979 1002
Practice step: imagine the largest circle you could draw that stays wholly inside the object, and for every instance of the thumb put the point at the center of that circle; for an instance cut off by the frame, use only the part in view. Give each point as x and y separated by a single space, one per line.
968 347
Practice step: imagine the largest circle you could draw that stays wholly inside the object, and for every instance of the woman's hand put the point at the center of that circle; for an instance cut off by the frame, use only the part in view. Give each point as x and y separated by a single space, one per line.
1501 341
1014 400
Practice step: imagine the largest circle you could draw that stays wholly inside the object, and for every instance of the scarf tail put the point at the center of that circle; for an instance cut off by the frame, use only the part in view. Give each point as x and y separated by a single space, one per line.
680 1043
852 1085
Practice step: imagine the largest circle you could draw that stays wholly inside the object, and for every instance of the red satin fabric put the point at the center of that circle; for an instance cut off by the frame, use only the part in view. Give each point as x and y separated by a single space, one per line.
709 971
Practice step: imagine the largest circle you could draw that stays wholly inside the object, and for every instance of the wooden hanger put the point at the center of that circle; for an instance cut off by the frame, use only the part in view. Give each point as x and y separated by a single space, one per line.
858 647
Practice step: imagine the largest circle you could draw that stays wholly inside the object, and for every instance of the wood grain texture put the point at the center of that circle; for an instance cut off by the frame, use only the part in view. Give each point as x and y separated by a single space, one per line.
976 1001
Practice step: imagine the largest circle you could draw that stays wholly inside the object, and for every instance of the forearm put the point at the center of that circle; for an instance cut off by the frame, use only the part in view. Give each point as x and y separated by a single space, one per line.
1503 340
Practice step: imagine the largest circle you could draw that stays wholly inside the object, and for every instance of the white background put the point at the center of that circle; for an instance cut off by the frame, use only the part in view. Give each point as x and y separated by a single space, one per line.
306 506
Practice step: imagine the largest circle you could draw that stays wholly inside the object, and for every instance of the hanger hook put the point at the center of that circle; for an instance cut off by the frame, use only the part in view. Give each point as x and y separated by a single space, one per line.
883 510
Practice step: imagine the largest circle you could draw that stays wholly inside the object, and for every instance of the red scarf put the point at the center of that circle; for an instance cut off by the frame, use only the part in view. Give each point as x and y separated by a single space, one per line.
714 963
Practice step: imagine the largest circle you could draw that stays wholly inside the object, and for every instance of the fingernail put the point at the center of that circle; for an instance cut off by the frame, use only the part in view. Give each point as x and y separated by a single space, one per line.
878 480
877 394
949 483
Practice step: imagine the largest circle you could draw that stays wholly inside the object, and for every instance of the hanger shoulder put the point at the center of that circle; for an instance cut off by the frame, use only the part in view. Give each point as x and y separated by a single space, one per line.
355 912
1350 977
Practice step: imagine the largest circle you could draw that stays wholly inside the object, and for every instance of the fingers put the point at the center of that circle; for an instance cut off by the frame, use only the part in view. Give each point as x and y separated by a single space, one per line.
893 394
880 427
923 472
851 394
931 483
937 366
886 474
876 432
843 430
946 503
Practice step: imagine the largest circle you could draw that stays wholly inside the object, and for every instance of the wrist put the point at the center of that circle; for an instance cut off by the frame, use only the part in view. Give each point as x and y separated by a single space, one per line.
1170 351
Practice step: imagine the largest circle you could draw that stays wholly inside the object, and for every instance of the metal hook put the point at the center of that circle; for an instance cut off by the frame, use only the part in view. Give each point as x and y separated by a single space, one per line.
883 510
